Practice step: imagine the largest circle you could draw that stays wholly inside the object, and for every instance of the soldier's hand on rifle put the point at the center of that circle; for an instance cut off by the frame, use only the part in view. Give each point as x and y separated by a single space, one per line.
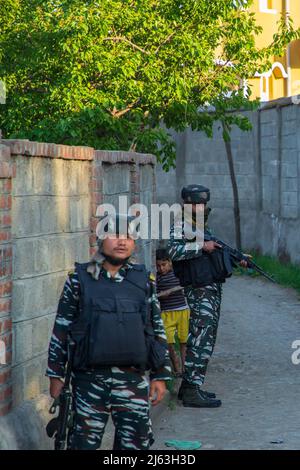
210 246
56 386
158 389
243 263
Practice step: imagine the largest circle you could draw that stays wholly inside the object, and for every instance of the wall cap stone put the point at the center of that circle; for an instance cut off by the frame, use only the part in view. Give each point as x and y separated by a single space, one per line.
118 156
280 103
42 149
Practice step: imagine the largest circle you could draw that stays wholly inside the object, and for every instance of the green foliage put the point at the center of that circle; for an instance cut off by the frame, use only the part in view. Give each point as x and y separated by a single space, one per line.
108 73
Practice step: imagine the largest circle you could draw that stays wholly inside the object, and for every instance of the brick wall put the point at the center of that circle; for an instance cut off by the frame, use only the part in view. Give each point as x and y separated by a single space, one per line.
49 196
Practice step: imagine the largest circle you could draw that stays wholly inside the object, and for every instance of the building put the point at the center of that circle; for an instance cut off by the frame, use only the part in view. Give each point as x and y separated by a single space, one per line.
283 79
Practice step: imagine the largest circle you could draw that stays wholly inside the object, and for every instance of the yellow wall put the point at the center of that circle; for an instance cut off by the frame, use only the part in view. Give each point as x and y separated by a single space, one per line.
277 83
267 20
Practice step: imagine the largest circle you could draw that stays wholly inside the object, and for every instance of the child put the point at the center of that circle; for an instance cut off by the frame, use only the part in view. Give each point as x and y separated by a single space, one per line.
174 309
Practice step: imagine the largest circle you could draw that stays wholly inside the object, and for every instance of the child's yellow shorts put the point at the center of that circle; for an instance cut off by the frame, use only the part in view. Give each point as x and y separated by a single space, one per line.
176 320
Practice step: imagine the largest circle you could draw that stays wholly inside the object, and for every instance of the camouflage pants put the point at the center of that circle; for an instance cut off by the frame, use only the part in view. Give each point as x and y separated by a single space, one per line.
110 390
204 319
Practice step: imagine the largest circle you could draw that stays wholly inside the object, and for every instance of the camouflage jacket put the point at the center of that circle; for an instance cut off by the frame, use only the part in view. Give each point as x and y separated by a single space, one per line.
68 310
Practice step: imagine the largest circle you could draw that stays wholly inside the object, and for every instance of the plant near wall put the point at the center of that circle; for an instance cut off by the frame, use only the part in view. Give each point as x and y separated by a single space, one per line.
228 110
108 74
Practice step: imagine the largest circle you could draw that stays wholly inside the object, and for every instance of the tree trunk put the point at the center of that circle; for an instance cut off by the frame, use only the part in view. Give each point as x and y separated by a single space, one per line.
236 203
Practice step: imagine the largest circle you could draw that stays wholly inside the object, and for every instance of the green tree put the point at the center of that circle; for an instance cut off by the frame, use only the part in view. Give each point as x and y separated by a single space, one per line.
109 73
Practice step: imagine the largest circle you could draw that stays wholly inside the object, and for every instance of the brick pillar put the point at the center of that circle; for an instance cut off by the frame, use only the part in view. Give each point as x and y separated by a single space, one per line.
96 192
5 280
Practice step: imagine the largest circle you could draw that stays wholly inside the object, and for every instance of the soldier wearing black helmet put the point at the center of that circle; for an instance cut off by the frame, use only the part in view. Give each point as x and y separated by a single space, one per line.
204 301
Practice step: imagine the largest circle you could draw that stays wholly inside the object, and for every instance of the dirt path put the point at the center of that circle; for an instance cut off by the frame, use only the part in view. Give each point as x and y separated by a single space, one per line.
251 371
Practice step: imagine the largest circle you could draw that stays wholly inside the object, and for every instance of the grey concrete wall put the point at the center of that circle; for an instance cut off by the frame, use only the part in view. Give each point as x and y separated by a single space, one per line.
51 215
50 229
51 203
55 192
133 178
267 165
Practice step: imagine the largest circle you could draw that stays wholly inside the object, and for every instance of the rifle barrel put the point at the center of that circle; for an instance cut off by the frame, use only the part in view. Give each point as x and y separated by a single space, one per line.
239 256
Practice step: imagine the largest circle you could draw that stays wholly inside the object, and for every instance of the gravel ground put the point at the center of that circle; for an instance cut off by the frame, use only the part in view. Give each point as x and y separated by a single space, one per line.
251 372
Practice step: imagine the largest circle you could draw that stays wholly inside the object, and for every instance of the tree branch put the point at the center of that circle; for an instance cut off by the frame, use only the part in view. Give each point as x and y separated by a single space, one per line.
122 38
115 113
165 41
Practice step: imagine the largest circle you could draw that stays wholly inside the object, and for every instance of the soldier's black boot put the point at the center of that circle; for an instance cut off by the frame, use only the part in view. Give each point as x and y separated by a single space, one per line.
194 397
183 384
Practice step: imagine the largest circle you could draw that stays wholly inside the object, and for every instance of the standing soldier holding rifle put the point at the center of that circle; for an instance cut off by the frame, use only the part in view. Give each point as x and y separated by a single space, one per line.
110 309
201 270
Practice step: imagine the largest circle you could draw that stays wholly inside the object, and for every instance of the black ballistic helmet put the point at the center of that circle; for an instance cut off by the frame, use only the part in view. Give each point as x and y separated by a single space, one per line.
195 194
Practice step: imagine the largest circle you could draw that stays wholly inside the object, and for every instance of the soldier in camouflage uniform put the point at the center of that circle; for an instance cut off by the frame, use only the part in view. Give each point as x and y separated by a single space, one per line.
99 391
204 303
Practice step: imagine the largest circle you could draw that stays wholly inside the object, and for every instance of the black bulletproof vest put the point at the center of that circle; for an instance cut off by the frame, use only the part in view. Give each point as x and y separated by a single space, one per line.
110 328
204 270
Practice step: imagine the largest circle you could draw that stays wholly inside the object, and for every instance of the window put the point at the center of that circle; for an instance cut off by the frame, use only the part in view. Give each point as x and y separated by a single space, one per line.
264 88
267 6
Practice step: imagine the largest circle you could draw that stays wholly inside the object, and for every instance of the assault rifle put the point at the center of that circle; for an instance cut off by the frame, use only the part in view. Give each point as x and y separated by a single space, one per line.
58 427
237 256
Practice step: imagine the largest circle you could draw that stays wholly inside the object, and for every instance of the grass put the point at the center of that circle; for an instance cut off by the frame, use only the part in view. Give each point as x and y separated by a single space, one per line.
285 274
